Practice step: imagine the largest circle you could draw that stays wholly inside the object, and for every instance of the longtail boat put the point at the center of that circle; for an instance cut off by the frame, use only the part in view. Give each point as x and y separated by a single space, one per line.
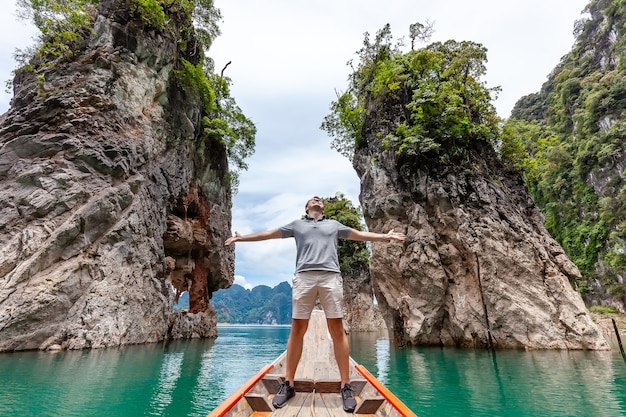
317 385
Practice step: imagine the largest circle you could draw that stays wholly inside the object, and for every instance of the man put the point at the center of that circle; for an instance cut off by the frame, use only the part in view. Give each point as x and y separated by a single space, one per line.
317 275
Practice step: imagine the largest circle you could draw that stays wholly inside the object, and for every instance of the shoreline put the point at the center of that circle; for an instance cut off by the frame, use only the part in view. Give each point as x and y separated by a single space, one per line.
605 323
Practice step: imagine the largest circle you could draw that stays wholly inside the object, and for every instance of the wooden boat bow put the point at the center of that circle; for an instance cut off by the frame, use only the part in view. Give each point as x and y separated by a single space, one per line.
317 385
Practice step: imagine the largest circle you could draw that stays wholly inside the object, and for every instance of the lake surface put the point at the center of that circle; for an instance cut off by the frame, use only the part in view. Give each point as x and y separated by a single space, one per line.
191 378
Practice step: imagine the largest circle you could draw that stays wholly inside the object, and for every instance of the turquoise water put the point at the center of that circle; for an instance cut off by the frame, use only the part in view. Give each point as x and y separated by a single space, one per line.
191 378
453 382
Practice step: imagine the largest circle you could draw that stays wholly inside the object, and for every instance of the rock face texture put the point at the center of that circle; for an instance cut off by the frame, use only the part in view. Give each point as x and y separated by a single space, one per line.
360 312
478 268
108 195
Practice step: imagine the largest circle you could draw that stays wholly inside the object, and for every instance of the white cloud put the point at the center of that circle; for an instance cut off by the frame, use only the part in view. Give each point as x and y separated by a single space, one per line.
293 46
288 59
239 280
13 34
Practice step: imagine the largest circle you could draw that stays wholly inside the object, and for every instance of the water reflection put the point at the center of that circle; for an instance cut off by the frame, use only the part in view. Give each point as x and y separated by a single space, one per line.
170 372
181 378
206 391
452 382
190 378
382 359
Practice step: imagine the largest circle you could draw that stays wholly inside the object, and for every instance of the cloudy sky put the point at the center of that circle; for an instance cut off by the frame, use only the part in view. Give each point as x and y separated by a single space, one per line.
288 59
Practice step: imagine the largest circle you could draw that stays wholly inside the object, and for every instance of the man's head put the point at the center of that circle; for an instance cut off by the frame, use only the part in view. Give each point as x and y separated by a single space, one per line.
314 202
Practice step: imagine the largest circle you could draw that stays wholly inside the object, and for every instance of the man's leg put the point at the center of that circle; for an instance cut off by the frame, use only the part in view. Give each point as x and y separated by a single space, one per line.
342 355
294 351
341 347
294 347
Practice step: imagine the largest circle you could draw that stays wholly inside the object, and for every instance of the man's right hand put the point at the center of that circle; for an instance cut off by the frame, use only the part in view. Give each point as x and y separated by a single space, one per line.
233 239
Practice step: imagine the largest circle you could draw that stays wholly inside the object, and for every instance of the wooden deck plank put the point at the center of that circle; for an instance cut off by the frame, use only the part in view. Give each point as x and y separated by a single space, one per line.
294 405
314 407
354 374
319 407
322 370
306 368
306 408
369 405
334 405
271 382
304 385
316 355
280 364
326 386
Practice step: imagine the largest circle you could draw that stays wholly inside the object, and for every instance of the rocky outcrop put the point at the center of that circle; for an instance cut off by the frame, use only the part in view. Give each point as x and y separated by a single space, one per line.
360 313
108 188
478 267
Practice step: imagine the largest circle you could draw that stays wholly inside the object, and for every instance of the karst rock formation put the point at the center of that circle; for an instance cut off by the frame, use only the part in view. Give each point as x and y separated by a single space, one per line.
360 312
478 268
109 196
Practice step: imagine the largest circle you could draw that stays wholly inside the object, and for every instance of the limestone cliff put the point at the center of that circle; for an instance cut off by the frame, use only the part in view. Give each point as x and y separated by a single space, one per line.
109 195
360 312
478 267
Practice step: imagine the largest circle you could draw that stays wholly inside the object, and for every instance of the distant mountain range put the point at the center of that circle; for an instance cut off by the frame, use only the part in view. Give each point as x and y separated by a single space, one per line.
260 305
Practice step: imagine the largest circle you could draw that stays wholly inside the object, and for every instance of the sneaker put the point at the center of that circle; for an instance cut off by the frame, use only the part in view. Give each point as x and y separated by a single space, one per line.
284 393
349 403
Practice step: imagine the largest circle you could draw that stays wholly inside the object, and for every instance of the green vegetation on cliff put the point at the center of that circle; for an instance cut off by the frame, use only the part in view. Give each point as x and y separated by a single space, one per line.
354 256
449 110
66 27
568 139
430 106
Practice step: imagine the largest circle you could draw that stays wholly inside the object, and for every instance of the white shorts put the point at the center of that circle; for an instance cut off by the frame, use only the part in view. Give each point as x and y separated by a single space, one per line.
308 285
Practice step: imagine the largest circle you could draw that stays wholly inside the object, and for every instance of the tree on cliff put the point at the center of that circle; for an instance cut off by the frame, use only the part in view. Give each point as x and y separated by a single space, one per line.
567 139
449 109
66 25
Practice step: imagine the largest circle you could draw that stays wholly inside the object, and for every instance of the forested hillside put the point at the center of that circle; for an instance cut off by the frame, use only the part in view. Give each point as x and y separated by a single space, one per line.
568 139
261 305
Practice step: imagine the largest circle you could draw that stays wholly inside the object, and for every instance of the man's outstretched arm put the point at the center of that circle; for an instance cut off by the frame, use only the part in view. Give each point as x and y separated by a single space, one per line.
254 237
376 237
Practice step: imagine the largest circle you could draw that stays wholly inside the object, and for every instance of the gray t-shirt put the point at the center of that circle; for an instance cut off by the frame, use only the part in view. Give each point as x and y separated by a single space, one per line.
316 243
